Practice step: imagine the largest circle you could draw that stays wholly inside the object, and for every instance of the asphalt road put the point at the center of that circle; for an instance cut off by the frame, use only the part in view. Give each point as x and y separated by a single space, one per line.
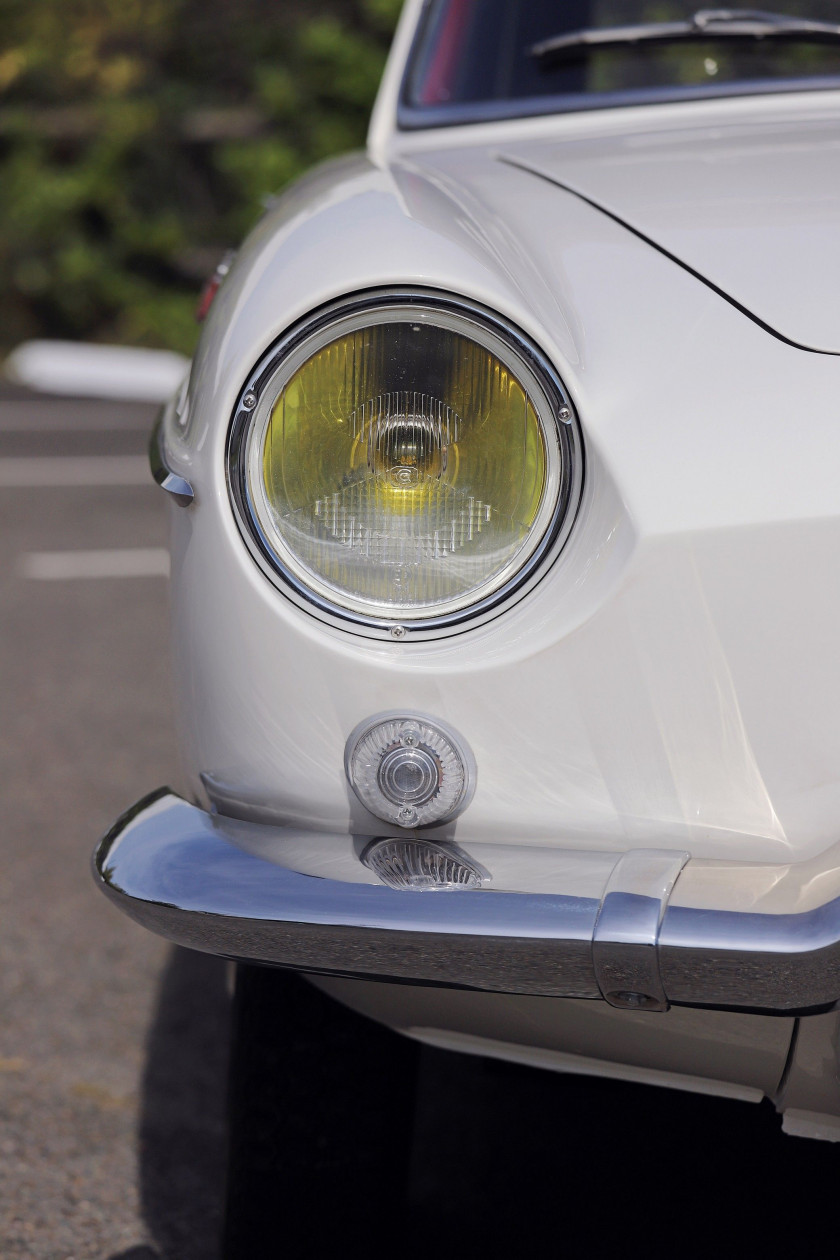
112 1047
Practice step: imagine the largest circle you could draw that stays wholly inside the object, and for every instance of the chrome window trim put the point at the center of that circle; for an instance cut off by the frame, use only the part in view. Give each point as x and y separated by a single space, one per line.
411 117
416 629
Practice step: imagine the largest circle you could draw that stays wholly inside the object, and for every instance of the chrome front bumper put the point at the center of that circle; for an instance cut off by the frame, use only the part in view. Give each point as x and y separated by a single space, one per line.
184 874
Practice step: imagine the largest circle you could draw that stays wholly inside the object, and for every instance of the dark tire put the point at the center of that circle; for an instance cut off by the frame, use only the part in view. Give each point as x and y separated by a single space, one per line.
321 1105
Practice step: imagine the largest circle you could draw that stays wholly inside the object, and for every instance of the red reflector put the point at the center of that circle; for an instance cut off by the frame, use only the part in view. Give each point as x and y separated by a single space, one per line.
211 288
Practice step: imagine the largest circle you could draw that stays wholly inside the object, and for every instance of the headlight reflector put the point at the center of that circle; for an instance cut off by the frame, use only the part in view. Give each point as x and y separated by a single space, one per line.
404 462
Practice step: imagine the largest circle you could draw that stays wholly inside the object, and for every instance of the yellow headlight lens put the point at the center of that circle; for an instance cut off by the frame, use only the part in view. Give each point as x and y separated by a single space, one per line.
400 465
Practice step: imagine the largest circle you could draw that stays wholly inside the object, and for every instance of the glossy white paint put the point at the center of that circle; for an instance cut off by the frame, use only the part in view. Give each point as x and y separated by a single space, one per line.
633 681
746 192
671 681
753 207
810 1097
739 1056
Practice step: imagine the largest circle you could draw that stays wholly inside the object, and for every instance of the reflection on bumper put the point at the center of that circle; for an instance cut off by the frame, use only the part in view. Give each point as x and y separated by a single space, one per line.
179 871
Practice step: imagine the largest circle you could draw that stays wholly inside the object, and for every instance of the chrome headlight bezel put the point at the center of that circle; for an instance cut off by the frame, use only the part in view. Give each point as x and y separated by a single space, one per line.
249 416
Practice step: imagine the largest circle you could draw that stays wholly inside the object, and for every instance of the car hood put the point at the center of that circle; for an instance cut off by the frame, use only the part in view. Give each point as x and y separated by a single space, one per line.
753 209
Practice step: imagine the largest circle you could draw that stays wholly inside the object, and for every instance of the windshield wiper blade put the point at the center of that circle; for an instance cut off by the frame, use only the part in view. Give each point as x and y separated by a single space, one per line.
706 24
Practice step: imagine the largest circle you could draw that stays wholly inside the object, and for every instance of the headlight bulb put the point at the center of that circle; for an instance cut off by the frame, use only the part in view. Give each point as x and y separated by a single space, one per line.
407 438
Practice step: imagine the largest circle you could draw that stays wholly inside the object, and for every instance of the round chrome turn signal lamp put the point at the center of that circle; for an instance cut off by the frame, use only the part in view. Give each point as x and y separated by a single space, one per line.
409 770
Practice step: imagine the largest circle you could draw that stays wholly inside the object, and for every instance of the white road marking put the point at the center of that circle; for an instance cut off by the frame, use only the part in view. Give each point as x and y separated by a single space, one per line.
43 472
95 371
57 566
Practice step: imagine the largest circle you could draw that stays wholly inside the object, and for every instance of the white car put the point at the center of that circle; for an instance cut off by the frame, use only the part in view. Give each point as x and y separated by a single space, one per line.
505 503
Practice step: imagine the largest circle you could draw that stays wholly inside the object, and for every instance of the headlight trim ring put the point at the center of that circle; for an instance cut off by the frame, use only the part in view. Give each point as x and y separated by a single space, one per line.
398 627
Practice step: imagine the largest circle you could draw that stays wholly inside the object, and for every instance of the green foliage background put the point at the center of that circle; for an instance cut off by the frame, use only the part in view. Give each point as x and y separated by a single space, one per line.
138 137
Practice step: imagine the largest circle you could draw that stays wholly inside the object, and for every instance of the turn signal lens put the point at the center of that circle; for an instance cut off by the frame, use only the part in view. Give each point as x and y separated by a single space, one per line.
404 463
409 769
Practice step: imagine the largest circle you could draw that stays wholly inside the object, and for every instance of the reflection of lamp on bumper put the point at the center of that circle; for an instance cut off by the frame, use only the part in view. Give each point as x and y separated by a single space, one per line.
409 770
406 863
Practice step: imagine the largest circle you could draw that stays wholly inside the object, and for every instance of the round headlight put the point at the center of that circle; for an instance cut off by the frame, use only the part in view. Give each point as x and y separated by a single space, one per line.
404 461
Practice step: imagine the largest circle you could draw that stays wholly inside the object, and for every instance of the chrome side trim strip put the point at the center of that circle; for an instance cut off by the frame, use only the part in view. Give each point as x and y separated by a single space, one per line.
625 943
180 489
193 878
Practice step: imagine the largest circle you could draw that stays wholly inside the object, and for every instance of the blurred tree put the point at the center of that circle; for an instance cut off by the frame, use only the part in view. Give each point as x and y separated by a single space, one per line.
138 137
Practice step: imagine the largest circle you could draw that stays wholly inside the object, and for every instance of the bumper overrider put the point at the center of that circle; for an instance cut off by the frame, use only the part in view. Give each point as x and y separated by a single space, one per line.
187 875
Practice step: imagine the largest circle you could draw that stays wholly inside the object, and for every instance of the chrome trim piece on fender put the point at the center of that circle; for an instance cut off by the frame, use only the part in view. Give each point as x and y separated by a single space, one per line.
625 943
180 489
186 875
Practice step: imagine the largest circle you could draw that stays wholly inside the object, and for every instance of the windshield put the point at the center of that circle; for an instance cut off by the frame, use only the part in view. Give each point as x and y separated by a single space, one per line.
478 59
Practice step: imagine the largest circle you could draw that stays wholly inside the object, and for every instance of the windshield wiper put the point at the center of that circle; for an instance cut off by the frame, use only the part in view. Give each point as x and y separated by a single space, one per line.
706 24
